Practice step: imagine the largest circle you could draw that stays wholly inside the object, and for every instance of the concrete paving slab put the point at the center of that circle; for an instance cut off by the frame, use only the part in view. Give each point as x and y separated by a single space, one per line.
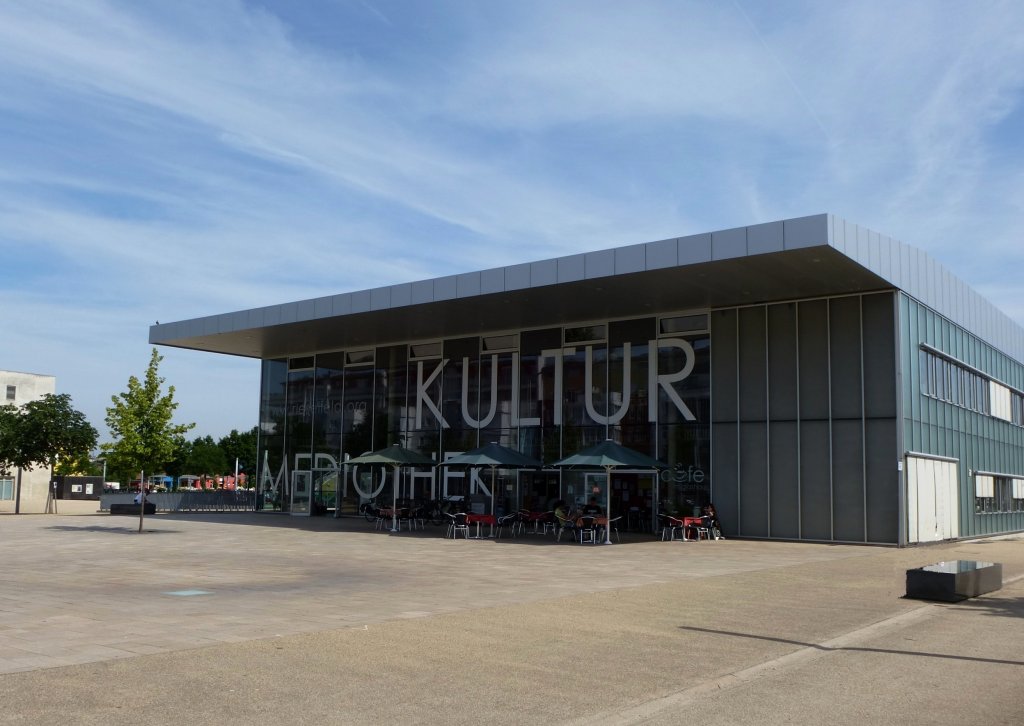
328 621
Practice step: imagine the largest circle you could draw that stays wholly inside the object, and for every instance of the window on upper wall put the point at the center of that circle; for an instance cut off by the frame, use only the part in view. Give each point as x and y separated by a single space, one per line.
1017 490
12 391
959 384
998 493
984 493
1004 494
6 489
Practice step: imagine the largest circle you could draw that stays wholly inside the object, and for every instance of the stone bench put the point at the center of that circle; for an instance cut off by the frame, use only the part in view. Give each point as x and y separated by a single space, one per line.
954 581
132 508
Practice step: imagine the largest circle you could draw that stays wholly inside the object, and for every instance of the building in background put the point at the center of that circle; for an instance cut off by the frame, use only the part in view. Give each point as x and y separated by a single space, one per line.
818 381
20 388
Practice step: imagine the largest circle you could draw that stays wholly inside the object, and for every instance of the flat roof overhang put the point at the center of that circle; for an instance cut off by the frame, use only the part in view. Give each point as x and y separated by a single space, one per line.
807 272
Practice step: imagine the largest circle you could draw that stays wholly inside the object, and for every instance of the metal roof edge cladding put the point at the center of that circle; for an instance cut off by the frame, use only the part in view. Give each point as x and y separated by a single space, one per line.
903 266
778 236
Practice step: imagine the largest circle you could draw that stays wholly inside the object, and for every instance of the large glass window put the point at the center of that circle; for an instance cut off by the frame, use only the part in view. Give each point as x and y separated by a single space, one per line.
272 473
547 392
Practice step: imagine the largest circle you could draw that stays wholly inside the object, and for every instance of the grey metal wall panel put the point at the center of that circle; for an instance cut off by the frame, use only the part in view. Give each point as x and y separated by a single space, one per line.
492 281
422 292
304 310
848 480
467 284
694 249
784 479
765 238
812 332
723 365
815 480
627 259
729 243
544 272
380 298
361 301
272 315
844 357
446 288
879 356
289 312
863 246
342 304
882 480
754 509
572 268
517 277
401 295
234 321
663 253
783 392
256 319
839 235
323 307
806 231
753 371
725 477
599 264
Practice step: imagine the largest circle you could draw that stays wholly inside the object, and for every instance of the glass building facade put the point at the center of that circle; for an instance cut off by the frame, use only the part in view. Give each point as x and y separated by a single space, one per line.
547 392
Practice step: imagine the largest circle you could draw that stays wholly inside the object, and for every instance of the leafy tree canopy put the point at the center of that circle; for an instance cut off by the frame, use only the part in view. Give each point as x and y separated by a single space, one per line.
206 458
140 422
43 432
241 446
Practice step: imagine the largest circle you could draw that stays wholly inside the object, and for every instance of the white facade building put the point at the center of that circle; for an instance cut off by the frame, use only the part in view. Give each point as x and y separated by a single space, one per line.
18 389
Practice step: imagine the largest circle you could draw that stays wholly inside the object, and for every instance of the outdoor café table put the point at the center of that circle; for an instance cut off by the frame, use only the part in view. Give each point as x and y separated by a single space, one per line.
539 519
696 523
479 519
390 516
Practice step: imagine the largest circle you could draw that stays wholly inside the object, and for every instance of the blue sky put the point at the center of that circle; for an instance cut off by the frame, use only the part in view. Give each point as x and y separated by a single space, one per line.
163 161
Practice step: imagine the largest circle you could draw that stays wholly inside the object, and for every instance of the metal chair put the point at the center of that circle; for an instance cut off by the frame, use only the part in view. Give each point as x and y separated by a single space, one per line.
670 527
614 528
564 525
586 530
458 524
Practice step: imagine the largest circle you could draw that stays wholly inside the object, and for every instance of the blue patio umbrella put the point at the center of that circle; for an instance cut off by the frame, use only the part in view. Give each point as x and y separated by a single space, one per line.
495 456
395 456
610 455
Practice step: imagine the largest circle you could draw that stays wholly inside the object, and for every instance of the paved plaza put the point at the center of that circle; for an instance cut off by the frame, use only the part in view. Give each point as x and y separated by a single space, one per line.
264 618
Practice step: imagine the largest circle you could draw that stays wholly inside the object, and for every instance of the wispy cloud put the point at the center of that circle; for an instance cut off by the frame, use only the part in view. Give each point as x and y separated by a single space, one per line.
165 161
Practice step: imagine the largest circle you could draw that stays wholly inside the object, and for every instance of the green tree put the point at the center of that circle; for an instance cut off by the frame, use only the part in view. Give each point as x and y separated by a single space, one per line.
206 458
41 433
140 422
241 446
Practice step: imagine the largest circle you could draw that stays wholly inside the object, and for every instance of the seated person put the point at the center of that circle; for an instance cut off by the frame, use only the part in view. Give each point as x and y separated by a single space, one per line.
561 511
710 516
591 508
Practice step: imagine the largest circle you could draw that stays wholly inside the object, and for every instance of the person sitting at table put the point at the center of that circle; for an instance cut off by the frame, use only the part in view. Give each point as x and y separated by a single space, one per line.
710 516
591 508
561 511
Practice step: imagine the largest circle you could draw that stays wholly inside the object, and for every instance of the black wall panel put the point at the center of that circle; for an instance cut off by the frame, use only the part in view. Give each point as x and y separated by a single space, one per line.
753 480
815 481
784 476
723 365
848 481
812 329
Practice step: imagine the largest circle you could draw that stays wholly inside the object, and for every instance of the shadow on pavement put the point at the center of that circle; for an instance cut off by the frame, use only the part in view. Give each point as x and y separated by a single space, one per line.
826 648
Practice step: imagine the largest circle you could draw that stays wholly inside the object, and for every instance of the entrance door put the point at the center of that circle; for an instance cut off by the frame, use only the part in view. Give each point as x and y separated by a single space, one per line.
302 493
933 511
539 489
